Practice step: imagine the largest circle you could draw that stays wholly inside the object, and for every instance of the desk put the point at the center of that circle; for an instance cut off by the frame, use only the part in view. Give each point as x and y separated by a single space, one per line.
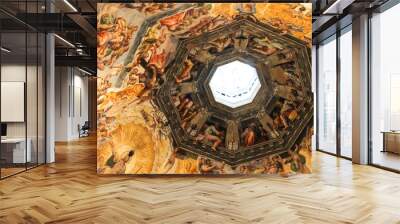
391 141
13 150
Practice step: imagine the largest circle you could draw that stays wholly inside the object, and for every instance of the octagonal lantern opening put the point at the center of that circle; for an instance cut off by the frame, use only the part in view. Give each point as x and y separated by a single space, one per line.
234 84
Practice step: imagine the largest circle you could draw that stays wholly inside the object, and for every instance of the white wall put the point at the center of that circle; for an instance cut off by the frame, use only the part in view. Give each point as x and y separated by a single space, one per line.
71 102
16 73
62 82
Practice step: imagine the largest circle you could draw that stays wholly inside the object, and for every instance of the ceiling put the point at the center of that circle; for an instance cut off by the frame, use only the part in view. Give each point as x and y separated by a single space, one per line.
329 16
72 20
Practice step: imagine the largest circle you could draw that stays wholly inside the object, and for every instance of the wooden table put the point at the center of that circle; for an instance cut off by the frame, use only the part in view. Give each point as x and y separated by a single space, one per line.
13 150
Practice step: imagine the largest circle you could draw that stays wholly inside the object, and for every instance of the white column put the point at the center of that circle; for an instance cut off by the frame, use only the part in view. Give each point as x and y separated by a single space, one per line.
360 90
50 99
314 90
50 92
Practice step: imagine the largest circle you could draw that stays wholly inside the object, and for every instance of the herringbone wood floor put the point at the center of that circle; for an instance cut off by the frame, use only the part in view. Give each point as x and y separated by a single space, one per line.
70 191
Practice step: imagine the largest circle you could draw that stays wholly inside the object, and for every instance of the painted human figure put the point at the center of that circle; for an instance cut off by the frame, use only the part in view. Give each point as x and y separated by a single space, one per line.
151 60
185 75
191 122
201 55
278 122
211 134
149 8
185 106
296 160
220 44
204 165
243 169
173 21
208 166
112 39
170 160
249 135
270 166
189 116
288 92
288 113
265 46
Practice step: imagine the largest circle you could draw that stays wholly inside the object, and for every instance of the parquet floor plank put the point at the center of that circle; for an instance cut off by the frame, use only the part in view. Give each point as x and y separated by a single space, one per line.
70 191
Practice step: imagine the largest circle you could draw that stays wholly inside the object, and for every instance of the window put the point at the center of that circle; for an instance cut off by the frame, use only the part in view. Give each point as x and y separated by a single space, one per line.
394 102
346 93
327 96
235 84
385 88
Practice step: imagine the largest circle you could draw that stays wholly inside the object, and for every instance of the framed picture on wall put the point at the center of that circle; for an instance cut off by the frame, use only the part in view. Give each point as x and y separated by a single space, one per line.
13 101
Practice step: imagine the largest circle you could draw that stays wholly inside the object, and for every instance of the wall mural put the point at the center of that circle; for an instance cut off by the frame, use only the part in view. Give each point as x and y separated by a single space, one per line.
204 88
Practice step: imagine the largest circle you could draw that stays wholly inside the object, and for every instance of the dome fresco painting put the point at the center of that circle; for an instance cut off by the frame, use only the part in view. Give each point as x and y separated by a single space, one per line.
204 88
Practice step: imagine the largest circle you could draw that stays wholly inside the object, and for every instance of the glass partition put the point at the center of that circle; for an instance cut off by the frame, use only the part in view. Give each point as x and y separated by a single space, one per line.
22 88
13 103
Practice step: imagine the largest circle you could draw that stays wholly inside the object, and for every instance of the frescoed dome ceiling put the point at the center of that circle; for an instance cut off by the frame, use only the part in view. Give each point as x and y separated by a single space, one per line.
174 59
259 52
